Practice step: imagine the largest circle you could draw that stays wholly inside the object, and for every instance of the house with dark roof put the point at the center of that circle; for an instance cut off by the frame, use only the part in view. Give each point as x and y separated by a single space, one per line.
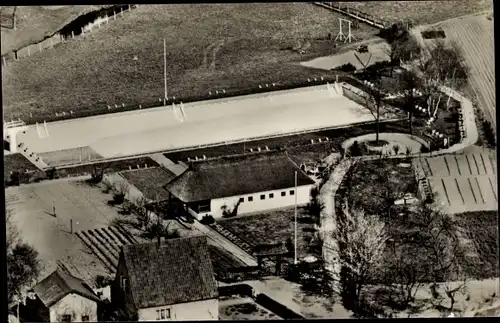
66 298
168 280
249 183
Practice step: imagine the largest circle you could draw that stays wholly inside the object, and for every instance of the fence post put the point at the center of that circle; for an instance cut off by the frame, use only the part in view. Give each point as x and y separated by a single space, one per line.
3 60
39 47
51 43
114 15
29 51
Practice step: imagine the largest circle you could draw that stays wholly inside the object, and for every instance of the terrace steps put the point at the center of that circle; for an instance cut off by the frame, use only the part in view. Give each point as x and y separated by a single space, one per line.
106 243
232 237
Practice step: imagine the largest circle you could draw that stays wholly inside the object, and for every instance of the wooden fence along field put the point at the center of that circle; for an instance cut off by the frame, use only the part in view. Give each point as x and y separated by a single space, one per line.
61 37
463 182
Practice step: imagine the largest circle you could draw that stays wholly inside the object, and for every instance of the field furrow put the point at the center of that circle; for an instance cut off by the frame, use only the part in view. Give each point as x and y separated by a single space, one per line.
465 190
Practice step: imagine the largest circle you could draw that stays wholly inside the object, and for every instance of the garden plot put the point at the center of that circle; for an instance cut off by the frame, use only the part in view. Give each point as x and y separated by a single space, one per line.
465 188
463 165
274 227
245 308
452 164
470 184
51 235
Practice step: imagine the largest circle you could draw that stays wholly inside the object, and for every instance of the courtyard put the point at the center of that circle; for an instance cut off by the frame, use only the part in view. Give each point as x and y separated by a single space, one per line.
33 213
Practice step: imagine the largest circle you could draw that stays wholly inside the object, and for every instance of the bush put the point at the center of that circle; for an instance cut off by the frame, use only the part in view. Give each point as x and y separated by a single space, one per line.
207 219
355 150
433 34
51 173
118 198
424 149
103 281
346 68
489 134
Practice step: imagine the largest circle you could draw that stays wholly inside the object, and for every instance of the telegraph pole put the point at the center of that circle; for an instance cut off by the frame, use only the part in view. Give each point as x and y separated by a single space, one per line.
295 244
165 68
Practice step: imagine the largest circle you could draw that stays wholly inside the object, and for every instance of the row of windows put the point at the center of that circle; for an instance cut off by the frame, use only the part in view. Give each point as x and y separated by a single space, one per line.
67 318
263 196
163 314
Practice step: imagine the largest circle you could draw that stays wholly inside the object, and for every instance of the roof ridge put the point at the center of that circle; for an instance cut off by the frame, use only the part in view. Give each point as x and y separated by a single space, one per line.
58 272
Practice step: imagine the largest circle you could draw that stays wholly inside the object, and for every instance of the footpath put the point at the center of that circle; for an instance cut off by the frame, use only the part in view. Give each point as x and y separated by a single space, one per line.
329 189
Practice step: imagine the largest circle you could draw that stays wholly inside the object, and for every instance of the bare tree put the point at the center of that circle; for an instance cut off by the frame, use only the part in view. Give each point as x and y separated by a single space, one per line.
361 239
410 83
23 264
403 49
142 211
375 93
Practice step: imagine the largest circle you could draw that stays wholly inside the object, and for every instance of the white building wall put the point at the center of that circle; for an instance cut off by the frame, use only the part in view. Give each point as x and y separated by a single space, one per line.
278 201
198 311
76 306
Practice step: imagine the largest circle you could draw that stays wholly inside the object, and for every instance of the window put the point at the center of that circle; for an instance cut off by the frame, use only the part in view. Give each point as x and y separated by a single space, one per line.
163 314
85 318
271 195
292 192
283 193
242 199
66 318
125 281
250 198
263 197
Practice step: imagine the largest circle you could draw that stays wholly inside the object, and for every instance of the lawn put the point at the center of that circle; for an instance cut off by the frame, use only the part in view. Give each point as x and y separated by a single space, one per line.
34 23
420 12
87 206
482 228
239 47
275 227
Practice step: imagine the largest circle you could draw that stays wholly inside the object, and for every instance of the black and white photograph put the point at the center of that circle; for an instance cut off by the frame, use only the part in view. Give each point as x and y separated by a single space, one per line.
250 161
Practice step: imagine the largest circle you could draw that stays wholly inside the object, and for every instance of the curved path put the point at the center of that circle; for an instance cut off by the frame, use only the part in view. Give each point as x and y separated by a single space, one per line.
400 139
329 189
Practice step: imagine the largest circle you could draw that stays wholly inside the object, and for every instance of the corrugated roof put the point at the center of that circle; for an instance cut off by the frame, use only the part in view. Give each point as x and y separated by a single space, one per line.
59 284
175 271
237 176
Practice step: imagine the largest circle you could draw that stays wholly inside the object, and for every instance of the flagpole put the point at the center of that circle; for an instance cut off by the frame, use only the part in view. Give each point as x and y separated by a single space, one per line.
295 244
165 67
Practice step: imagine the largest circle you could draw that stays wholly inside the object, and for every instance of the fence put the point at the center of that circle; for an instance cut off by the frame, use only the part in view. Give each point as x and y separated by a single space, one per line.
57 38
356 14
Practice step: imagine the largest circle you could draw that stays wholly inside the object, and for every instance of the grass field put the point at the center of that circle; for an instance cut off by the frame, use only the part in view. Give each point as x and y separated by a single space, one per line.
240 46
33 214
482 229
420 12
34 23
274 227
